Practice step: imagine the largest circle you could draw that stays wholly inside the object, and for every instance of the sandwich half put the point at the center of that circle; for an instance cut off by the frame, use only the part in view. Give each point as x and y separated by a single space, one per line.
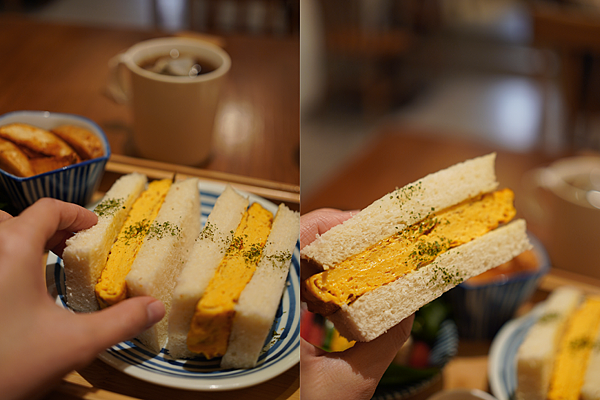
86 252
536 355
258 303
411 246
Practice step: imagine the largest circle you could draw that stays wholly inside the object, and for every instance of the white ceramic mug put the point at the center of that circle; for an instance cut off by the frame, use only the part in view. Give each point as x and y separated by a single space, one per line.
563 200
174 116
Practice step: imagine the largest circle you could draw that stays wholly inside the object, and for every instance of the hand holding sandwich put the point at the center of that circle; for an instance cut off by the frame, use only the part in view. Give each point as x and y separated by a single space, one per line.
42 342
354 373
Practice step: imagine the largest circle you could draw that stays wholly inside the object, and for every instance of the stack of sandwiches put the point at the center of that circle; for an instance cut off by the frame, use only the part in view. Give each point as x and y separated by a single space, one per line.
221 285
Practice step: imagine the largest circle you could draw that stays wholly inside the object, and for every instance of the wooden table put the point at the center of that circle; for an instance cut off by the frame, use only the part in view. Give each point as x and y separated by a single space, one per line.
397 155
61 68
64 68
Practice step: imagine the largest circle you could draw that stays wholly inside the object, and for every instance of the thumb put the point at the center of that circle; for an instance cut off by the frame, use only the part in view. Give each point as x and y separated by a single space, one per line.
122 321
4 216
373 358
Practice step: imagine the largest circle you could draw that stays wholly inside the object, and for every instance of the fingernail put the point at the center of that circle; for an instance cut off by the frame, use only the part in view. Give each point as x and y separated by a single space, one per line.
155 311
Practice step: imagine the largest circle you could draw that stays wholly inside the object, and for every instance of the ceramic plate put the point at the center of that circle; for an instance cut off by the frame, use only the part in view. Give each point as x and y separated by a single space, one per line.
281 350
502 368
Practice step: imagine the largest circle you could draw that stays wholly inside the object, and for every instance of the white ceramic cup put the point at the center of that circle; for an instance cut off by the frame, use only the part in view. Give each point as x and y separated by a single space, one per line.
563 201
174 116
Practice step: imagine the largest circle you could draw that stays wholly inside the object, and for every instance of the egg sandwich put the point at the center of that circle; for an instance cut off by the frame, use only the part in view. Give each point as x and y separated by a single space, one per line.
138 247
229 290
221 285
411 246
560 355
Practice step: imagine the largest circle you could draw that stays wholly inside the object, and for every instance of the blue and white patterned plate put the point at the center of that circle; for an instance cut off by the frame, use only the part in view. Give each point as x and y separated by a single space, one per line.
281 351
502 368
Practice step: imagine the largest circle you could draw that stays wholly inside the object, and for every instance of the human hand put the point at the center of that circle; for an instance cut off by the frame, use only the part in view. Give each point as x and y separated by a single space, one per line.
41 342
354 373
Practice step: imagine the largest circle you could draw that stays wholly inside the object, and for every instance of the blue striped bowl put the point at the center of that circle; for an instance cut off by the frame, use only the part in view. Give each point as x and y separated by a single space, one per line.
481 310
75 183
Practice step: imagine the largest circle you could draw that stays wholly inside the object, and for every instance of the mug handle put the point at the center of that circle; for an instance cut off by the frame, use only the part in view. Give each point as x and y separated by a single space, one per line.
532 206
118 86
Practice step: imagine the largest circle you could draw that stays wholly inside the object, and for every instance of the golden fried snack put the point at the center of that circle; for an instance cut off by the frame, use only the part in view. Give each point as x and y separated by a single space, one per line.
45 164
85 143
13 160
38 141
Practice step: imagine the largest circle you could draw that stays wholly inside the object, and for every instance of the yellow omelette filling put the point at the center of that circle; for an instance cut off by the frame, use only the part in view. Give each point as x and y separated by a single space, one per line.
574 351
111 287
213 317
406 251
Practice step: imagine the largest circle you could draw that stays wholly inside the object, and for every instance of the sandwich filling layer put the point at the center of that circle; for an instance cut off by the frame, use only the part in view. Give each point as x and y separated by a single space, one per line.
407 251
111 287
212 321
574 351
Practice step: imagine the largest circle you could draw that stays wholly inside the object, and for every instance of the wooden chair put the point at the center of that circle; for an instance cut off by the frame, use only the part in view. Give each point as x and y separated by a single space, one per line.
270 17
363 54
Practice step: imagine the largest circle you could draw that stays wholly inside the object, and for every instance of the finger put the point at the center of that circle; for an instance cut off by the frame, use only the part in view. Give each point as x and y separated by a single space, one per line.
375 356
57 242
44 218
357 370
320 221
4 216
118 323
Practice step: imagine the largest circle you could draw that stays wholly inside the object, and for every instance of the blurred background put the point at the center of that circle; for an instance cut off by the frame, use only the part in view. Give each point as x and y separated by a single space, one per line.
215 16
519 75
257 127
392 90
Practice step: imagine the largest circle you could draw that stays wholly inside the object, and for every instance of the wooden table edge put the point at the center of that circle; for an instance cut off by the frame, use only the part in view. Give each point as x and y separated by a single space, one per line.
158 170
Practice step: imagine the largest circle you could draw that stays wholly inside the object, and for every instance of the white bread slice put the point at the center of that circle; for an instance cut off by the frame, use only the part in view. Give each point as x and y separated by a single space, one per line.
258 303
200 267
86 252
535 358
375 312
161 258
591 383
401 208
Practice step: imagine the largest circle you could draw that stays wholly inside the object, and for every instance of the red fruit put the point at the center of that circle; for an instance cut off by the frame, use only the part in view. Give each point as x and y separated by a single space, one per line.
419 357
